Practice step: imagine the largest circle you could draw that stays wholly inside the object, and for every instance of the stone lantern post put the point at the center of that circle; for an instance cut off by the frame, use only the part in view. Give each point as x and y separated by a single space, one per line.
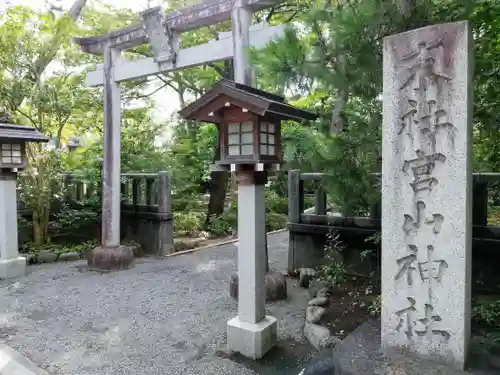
249 124
13 159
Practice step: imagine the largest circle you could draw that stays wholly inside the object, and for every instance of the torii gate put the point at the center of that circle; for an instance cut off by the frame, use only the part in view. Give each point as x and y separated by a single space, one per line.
162 34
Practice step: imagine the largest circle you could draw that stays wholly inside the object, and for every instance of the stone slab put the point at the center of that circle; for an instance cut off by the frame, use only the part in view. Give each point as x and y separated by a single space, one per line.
11 268
13 363
252 340
427 191
360 353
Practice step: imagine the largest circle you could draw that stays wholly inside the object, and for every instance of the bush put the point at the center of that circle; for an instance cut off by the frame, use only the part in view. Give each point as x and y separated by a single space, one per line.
486 312
275 221
276 203
334 271
74 220
187 224
220 225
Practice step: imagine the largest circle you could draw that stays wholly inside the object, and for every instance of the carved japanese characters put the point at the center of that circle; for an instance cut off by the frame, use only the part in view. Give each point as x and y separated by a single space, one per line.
426 231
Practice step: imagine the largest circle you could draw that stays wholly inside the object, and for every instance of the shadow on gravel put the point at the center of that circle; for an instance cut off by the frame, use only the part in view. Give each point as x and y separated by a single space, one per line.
287 358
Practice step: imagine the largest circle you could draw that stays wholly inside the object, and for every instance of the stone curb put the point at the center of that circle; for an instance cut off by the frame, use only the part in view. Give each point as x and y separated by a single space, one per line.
188 251
30 257
13 363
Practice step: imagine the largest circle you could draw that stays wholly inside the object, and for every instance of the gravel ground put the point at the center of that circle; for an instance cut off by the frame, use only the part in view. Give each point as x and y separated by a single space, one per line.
161 317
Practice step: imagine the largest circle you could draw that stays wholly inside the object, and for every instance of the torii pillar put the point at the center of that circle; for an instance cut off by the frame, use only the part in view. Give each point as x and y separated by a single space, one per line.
161 32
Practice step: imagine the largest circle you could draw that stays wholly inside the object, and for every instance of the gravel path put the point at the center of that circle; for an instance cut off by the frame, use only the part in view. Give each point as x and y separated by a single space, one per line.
161 317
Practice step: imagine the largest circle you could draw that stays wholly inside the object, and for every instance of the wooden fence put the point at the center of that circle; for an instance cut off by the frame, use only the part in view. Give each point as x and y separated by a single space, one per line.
146 207
308 227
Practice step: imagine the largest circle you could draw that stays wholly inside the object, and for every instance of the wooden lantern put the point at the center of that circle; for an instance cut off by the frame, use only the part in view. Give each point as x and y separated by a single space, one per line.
248 122
13 140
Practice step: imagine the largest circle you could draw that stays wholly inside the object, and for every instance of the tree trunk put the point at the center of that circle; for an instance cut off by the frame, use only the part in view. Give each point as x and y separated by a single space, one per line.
218 187
37 230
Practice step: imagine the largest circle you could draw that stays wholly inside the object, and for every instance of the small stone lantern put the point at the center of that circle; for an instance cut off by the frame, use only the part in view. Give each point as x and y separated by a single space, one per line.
13 139
249 124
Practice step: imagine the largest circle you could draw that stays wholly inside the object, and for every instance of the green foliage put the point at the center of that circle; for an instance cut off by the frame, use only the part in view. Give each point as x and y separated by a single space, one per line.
486 313
75 220
331 58
375 306
334 274
275 221
187 224
220 226
82 247
334 271
276 203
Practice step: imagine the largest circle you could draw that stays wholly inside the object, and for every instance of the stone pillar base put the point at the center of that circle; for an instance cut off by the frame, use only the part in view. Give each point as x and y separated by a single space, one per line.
252 340
10 268
110 258
275 286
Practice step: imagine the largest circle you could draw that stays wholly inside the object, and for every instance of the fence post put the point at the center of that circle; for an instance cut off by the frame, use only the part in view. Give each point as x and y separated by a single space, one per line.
479 202
165 228
320 200
295 196
295 208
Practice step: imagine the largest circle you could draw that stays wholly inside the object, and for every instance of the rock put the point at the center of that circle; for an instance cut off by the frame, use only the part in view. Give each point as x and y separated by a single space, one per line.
64 257
323 366
305 276
30 258
108 259
318 301
323 293
275 286
46 257
319 336
314 314
316 286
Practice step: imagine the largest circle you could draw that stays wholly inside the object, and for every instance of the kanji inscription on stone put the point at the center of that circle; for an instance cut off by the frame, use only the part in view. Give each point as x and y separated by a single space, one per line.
426 191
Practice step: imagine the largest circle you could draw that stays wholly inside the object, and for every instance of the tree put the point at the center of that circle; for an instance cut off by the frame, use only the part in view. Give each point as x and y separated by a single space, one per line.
332 58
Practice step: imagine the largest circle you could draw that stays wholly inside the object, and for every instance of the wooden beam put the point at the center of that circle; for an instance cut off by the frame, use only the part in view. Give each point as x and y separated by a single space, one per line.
195 16
219 50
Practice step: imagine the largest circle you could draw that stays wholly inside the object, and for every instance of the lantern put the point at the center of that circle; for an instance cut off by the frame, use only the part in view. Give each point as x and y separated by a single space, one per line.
13 140
248 122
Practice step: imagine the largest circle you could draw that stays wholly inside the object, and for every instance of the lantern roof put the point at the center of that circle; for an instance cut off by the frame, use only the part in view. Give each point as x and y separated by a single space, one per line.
254 100
21 132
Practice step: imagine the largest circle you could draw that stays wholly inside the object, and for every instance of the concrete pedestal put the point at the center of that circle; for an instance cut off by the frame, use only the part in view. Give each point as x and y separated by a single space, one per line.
252 340
10 268
251 333
11 264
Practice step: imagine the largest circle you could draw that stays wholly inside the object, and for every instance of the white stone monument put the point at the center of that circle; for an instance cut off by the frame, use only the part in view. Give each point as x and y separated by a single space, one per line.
12 159
427 192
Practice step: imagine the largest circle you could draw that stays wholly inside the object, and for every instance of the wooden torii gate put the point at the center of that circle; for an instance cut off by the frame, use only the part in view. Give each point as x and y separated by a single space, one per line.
162 33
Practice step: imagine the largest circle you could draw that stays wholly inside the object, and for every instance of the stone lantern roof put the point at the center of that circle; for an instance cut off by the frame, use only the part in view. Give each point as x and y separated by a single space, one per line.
257 101
13 132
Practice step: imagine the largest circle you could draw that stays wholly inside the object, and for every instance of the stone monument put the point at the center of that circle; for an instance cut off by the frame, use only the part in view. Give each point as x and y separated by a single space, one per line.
13 158
426 192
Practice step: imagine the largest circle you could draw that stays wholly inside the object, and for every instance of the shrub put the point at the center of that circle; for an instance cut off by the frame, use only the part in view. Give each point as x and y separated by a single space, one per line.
375 306
275 221
220 225
276 203
334 271
187 224
486 312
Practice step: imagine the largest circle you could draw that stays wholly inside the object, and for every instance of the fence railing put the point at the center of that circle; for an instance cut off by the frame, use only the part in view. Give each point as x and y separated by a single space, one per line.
146 206
296 200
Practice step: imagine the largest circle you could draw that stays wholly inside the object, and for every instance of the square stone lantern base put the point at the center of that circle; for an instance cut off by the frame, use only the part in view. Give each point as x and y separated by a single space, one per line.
13 267
252 340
